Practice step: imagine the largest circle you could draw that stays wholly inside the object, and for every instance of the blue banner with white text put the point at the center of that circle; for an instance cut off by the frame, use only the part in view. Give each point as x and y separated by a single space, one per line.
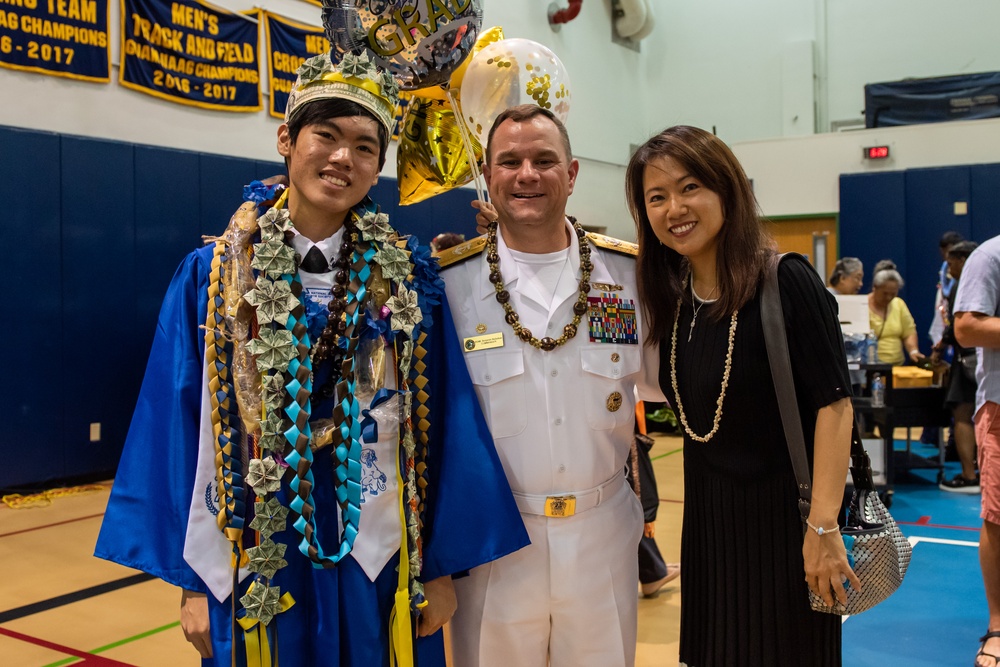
191 53
933 100
68 38
288 44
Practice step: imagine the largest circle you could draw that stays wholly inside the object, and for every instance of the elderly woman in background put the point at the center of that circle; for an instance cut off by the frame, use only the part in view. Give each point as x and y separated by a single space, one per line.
890 318
847 277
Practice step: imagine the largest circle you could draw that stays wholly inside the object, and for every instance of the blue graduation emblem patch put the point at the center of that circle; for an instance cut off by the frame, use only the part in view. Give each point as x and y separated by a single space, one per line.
612 320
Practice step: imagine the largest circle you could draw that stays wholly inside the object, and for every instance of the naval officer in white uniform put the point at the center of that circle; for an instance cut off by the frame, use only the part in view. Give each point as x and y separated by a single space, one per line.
554 342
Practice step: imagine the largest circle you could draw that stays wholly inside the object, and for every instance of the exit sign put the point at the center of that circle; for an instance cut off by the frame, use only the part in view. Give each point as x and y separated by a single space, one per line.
876 152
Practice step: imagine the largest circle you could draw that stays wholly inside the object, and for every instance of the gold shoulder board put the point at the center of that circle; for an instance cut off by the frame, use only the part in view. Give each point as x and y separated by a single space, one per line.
461 252
613 244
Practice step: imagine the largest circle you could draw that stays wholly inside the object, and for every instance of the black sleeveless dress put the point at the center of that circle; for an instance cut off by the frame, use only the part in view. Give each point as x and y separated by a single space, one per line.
745 601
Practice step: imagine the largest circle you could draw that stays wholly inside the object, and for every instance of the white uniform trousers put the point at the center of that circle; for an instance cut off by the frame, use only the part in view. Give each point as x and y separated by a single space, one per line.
569 599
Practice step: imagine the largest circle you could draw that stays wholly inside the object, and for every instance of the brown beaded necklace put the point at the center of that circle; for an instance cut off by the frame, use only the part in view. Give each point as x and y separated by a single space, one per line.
326 346
503 296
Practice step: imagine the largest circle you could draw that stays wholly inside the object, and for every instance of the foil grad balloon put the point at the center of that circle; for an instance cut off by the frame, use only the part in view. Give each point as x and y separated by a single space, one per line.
508 73
420 42
430 157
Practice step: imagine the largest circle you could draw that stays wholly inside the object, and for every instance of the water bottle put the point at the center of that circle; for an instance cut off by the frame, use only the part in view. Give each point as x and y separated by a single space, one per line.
878 391
871 347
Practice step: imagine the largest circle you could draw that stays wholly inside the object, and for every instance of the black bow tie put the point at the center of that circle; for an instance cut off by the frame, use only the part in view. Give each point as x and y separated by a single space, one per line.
315 262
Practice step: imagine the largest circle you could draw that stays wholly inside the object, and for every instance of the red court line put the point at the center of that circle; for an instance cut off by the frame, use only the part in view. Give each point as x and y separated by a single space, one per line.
49 525
89 659
924 522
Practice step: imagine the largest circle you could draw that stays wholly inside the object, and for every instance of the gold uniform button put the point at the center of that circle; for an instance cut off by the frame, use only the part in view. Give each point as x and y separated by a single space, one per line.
614 401
615 357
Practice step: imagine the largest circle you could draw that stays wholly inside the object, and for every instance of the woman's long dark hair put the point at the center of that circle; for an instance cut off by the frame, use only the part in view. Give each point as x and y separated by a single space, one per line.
744 247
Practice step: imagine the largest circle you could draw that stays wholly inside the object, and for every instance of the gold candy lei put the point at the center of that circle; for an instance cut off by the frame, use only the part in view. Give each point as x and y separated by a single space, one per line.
725 376
503 297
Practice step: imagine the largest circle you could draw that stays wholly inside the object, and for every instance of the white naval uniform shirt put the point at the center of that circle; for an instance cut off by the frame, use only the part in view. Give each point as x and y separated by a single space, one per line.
548 411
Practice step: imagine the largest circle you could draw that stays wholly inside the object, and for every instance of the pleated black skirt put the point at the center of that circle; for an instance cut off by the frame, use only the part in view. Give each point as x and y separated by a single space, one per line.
744 596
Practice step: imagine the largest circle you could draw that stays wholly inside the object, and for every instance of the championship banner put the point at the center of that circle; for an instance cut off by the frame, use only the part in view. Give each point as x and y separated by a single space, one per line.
192 53
67 38
288 44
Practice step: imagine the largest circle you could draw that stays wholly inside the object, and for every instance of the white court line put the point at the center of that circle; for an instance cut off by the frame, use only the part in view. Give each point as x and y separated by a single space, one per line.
937 540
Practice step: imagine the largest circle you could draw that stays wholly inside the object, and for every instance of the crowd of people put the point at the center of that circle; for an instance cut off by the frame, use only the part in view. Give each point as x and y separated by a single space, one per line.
452 446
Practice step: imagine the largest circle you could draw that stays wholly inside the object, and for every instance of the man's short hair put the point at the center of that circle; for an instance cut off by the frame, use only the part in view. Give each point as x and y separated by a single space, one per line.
336 107
962 249
949 239
521 114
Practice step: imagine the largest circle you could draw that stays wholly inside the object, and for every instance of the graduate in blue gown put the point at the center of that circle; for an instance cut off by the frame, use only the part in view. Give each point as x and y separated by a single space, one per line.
410 490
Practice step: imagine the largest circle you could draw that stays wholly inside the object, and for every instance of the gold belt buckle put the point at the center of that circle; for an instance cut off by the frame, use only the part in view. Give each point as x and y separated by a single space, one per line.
560 506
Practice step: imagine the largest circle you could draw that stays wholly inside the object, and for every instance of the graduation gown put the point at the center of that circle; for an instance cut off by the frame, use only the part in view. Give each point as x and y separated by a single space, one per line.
340 617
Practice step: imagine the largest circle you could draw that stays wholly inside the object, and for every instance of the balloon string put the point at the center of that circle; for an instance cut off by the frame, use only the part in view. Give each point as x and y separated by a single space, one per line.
470 153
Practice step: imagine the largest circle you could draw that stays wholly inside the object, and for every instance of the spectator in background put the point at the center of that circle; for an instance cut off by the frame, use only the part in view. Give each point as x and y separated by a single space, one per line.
848 276
890 318
977 324
945 286
446 240
961 396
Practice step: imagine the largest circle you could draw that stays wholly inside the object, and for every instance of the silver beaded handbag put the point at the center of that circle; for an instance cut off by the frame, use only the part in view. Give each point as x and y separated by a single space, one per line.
877 550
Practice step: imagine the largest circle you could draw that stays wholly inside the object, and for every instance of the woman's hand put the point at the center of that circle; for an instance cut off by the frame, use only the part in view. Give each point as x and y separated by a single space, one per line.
649 529
916 356
826 566
441 606
486 216
195 621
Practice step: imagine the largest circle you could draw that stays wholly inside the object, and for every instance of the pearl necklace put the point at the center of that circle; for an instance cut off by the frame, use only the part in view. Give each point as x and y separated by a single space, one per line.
503 296
725 376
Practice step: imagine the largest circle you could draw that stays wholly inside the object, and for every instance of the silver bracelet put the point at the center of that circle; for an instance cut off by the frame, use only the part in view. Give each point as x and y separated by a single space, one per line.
823 531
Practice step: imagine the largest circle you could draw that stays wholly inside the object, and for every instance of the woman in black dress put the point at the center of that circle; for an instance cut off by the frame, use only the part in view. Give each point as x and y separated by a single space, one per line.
703 252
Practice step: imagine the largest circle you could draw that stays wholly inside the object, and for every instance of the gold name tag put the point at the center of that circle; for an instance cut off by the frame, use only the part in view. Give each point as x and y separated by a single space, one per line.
484 342
560 506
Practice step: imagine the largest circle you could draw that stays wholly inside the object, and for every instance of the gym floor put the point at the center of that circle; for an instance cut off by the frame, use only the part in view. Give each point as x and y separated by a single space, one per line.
61 606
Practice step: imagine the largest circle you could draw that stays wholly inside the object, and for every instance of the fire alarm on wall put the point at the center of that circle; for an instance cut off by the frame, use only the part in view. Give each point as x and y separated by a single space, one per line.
876 152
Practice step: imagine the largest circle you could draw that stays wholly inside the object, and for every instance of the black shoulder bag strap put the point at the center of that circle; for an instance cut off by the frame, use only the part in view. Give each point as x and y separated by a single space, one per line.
776 341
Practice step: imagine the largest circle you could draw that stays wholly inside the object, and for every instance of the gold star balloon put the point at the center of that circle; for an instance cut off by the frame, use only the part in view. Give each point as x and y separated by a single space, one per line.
431 158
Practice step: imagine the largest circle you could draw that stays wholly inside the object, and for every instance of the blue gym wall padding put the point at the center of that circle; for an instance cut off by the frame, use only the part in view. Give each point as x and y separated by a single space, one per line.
873 219
930 212
32 335
97 229
985 205
99 377
901 215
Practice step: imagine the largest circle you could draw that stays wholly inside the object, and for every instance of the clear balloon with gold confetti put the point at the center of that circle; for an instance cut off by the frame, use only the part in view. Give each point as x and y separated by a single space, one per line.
508 73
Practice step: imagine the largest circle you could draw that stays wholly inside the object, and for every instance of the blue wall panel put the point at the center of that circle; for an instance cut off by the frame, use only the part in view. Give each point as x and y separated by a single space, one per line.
222 181
31 336
99 229
99 296
985 205
267 169
930 212
873 219
167 227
